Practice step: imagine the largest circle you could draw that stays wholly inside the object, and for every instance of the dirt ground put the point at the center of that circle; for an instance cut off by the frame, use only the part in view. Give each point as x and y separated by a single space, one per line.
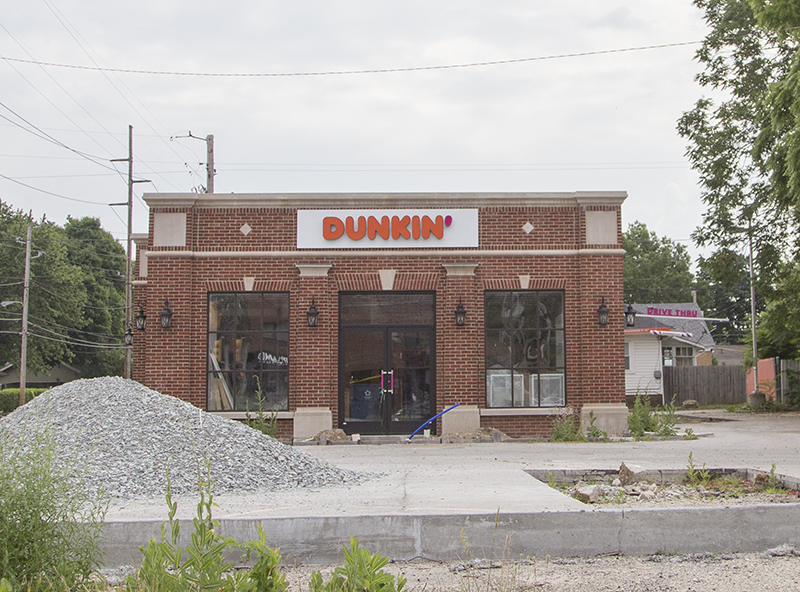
779 571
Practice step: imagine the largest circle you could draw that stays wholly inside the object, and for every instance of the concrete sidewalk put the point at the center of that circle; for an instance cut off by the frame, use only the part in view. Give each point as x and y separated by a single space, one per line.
426 497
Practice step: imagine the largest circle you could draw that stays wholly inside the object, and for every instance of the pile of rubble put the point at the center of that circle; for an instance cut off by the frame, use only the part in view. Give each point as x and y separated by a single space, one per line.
630 487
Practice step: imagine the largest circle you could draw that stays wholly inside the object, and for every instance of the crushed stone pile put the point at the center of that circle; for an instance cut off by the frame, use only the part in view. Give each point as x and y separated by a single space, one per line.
127 437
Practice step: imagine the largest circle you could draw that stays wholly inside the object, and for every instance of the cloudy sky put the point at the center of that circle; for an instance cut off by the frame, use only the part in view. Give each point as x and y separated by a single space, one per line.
303 106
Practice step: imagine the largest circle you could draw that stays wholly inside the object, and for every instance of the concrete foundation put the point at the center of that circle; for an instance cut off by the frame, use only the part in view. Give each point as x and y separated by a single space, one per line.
611 418
310 421
319 540
463 419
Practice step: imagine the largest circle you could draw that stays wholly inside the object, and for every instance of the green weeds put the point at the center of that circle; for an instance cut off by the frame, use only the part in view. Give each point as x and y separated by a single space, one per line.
362 572
49 524
566 429
265 421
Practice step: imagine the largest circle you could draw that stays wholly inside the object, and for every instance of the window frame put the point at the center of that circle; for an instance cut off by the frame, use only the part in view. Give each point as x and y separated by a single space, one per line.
232 383
532 374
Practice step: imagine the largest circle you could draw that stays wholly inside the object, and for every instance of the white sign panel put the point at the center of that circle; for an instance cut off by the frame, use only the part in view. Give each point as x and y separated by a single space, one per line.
387 229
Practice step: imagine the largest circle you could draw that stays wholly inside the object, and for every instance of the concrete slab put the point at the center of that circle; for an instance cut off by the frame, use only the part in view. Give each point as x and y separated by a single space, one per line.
425 499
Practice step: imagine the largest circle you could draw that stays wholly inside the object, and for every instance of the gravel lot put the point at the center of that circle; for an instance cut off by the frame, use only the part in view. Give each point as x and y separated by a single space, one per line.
700 573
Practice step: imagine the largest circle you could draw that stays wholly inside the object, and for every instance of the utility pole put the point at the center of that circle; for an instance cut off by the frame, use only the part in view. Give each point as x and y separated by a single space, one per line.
209 163
126 371
23 352
753 312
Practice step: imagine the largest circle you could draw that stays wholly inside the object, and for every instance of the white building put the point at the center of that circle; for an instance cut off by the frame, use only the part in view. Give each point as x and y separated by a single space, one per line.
663 335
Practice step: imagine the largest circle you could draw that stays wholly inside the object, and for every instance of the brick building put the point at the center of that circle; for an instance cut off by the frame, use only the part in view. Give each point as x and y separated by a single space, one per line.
374 312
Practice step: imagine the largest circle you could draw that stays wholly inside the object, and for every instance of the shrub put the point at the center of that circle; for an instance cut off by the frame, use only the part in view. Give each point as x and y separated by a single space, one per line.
9 398
49 525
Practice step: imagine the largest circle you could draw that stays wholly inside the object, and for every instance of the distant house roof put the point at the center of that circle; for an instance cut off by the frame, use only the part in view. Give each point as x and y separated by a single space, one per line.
683 318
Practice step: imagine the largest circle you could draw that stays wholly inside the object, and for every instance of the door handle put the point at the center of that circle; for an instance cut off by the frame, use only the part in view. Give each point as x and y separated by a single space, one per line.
387 381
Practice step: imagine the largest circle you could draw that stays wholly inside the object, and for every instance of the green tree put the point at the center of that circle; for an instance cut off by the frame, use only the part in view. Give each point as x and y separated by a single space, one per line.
57 297
779 326
655 269
724 280
742 63
102 263
777 145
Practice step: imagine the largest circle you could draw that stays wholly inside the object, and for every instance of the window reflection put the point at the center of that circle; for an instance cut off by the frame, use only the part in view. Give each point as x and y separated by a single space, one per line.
248 351
525 351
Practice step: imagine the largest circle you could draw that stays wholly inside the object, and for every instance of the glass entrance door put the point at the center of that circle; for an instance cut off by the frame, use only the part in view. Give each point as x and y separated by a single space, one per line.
386 370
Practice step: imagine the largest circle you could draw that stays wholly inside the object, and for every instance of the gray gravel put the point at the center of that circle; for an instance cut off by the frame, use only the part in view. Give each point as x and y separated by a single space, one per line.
128 437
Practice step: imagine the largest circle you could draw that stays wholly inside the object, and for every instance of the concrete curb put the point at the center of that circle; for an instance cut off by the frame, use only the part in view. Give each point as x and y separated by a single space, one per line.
318 540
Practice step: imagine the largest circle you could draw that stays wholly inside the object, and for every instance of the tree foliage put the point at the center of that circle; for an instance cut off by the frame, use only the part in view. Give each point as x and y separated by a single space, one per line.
724 280
731 136
779 326
102 261
655 269
75 297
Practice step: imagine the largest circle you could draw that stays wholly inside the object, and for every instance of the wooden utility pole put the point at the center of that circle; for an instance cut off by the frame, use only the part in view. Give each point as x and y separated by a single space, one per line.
23 352
210 163
126 371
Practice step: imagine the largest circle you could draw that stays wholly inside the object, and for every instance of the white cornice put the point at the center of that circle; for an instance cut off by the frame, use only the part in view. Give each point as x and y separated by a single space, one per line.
383 200
381 253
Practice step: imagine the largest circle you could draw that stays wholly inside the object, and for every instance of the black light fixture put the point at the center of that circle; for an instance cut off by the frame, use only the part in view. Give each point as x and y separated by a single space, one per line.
602 313
630 317
166 315
461 315
312 315
140 319
128 336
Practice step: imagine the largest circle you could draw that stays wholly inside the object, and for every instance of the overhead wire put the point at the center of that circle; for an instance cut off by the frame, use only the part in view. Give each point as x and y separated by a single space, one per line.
83 45
48 99
366 71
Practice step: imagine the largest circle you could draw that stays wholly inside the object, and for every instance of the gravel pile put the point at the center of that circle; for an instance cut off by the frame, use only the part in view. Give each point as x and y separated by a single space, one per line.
127 437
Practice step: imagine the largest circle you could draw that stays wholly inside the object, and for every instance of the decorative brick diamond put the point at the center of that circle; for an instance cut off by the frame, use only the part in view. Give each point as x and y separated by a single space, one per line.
528 228
245 229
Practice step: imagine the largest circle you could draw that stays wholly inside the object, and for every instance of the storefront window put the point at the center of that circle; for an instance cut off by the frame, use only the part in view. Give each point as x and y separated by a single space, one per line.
525 359
248 351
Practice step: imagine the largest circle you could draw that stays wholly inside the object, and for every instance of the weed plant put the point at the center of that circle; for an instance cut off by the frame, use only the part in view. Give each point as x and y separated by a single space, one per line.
695 475
644 419
640 418
201 565
501 573
362 572
265 421
566 429
594 431
50 525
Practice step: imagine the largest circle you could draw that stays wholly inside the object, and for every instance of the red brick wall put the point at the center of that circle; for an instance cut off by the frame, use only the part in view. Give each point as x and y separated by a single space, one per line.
174 361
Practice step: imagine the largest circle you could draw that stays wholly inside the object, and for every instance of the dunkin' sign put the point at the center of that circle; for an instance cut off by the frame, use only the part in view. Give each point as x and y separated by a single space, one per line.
387 229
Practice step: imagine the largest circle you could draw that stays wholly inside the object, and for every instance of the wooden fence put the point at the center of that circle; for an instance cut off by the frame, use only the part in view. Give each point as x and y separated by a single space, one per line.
789 373
708 385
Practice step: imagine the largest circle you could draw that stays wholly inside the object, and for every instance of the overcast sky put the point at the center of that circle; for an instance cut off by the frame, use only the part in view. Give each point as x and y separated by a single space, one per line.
603 121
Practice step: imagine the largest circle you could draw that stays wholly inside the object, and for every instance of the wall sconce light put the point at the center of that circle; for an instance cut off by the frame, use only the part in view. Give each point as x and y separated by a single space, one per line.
140 319
630 317
128 337
312 315
461 315
166 315
602 313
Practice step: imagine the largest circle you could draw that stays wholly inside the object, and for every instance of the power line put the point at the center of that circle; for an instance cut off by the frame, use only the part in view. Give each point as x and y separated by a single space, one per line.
346 72
96 203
